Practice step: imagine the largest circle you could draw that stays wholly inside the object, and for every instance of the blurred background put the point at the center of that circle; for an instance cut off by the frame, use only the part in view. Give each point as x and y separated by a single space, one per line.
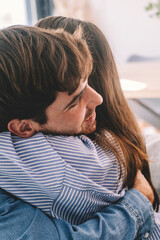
132 28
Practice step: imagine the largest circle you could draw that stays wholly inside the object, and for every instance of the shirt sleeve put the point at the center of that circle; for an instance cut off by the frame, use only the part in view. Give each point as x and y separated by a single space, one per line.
129 218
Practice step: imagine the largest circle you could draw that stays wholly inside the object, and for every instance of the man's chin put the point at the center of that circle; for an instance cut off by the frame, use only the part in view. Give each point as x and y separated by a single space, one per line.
85 129
88 129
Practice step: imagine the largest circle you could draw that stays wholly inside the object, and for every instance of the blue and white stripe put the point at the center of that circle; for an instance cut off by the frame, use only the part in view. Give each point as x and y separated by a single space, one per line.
69 178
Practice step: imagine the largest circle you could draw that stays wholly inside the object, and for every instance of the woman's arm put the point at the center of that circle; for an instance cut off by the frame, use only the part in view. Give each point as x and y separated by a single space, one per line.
131 216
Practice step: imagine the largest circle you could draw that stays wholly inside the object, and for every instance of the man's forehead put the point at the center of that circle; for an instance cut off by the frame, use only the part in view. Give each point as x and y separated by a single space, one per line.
63 99
82 84
76 95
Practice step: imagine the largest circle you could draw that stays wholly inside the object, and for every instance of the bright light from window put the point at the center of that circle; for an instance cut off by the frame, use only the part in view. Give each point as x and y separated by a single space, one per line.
12 12
130 85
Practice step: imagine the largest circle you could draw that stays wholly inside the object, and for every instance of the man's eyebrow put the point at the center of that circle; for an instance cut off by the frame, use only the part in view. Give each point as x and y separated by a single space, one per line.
75 98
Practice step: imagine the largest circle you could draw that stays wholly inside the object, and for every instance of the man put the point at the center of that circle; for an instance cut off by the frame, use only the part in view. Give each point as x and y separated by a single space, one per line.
43 89
48 89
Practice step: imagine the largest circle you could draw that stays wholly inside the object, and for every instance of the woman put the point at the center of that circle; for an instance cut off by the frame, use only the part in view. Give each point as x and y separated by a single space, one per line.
113 114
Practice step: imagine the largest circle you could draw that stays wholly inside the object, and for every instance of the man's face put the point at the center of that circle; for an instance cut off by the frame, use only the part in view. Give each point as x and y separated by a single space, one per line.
74 114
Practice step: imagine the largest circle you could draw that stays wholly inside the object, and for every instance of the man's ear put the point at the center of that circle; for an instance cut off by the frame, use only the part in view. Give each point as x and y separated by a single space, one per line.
22 128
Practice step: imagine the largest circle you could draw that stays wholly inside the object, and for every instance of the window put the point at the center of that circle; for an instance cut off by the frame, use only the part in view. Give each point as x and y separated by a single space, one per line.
25 12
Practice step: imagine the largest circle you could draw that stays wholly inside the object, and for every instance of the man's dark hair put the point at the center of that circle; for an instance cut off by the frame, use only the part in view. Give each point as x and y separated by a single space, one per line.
34 64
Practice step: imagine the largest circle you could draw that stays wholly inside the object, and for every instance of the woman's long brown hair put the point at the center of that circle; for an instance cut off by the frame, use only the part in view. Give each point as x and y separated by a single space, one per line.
114 114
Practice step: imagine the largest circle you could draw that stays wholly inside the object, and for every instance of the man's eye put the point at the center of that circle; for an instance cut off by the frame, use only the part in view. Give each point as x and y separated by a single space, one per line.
74 105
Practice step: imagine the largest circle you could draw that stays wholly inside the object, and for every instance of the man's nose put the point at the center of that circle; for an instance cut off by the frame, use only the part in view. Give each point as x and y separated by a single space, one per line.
94 99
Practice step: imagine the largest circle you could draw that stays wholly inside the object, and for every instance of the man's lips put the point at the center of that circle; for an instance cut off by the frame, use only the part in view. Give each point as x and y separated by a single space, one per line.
91 118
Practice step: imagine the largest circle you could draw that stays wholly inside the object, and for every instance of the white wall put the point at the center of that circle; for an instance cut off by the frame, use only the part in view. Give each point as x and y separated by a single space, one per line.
128 27
12 12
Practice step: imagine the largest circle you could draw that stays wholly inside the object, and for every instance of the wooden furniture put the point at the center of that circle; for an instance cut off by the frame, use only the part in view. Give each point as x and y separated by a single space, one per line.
145 103
146 72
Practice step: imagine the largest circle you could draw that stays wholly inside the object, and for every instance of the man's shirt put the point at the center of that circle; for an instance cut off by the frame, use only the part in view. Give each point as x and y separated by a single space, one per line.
69 178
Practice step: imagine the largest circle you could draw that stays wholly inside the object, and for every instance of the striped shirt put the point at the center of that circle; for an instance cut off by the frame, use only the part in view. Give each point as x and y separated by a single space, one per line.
67 177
